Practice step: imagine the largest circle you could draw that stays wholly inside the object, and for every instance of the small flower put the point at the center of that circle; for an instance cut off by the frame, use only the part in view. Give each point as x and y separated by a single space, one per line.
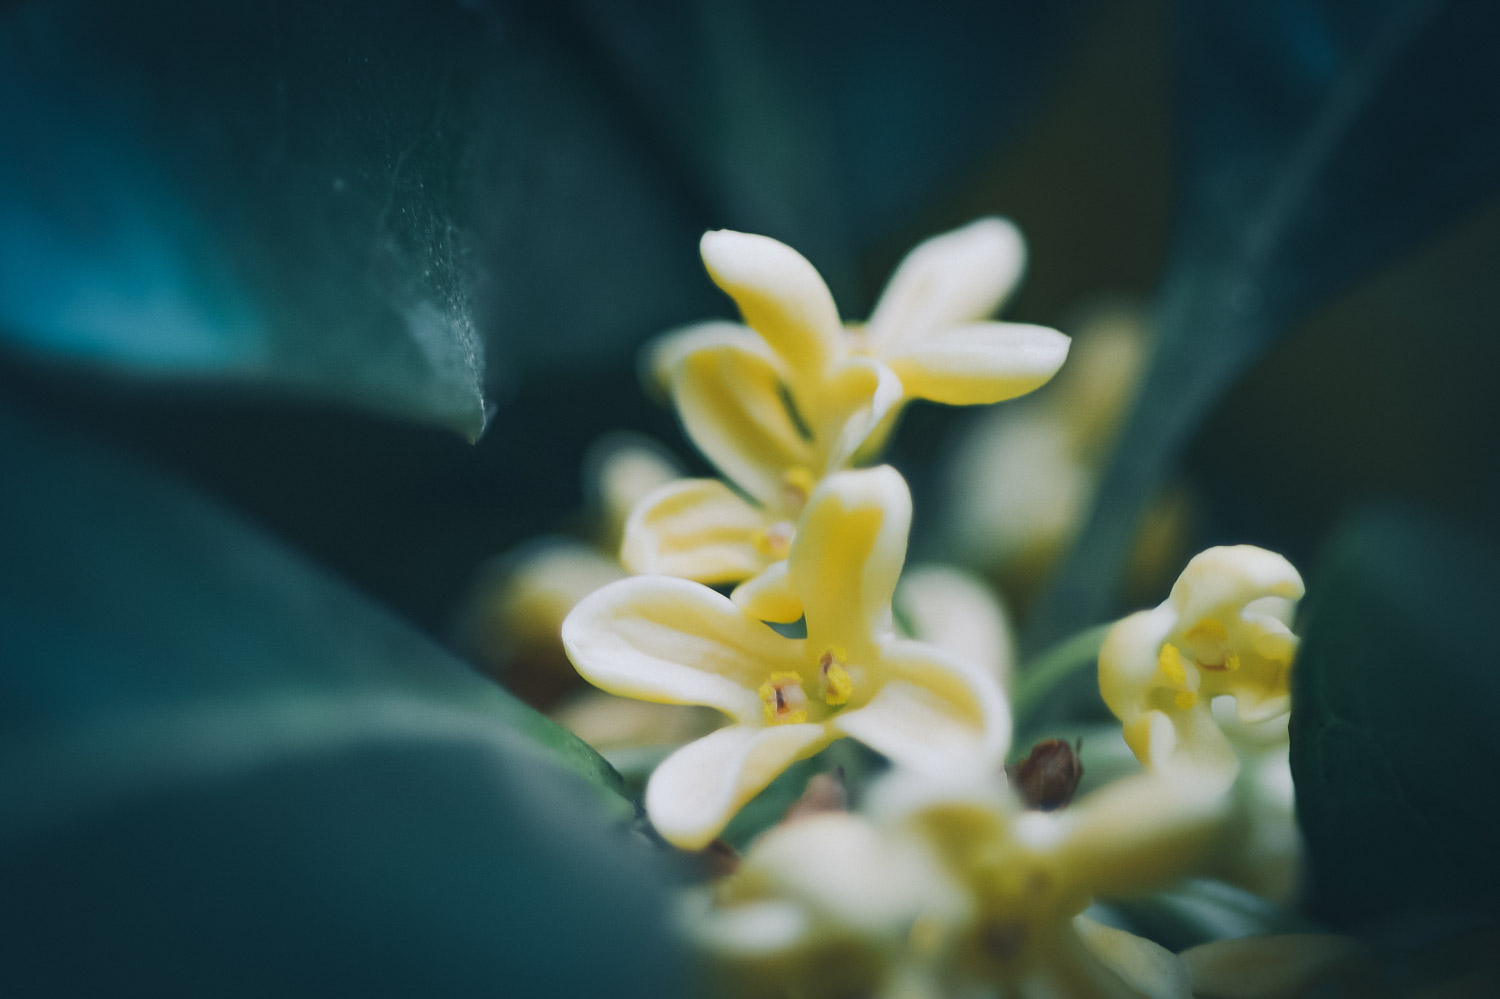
794 394
663 639
1223 630
955 888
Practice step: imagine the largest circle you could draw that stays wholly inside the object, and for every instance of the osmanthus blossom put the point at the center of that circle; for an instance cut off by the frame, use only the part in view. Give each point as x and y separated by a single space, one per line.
1203 679
794 394
664 639
955 888
1224 630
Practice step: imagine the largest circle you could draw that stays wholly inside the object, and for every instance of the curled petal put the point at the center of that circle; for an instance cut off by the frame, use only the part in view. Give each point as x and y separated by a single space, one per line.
661 357
936 714
696 791
1128 661
979 363
729 399
847 556
1232 576
1145 968
697 529
769 596
779 293
856 401
955 278
622 470
662 639
957 611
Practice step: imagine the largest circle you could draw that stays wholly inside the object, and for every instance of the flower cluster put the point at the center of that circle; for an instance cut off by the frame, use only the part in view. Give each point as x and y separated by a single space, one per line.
959 875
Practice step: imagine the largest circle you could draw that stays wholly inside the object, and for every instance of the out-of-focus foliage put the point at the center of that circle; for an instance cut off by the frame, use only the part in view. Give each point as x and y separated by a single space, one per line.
1316 141
1393 741
226 773
396 205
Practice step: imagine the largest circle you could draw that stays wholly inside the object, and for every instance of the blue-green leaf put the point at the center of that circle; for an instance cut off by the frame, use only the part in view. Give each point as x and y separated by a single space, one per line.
226 773
1318 140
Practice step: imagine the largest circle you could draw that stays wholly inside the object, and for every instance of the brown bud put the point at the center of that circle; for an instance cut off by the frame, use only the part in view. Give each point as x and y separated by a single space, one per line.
1048 778
825 793
719 859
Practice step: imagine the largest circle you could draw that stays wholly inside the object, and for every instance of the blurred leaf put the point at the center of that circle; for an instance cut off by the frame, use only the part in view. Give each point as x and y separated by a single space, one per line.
227 774
1318 140
1200 910
1394 744
375 204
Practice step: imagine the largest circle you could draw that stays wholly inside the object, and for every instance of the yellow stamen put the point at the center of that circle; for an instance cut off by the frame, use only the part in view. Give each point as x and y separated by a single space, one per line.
797 485
1232 661
837 684
775 541
783 699
1171 666
1185 699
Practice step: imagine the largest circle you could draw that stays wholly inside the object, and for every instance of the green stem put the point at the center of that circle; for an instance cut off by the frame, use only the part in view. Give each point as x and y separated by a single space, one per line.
1055 665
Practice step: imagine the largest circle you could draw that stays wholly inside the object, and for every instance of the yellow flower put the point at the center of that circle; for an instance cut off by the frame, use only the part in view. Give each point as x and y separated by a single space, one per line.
1223 630
794 394
955 888
663 639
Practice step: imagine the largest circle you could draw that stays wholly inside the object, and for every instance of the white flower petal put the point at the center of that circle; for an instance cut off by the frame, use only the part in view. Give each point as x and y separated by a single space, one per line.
1232 576
661 357
959 612
662 639
697 529
622 469
698 789
781 296
979 363
1148 969
954 278
856 402
936 714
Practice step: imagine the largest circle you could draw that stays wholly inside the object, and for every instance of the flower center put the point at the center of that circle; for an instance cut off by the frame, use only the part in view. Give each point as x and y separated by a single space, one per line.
796 486
783 699
775 540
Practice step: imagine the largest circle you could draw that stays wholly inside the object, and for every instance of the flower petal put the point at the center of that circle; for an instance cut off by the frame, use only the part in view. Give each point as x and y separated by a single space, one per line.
696 529
781 296
662 639
1140 832
1148 969
769 596
660 358
622 469
954 278
1128 661
979 363
860 398
936 713
729 399
847 556
958 612
696 791
1231 576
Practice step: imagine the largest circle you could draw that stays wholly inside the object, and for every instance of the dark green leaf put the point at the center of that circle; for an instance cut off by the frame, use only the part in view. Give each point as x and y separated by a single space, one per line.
1394 745
402 206
227 773
1318 141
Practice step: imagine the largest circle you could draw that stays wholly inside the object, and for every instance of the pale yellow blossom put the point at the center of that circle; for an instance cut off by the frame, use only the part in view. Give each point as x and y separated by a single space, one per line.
794 394
672 640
